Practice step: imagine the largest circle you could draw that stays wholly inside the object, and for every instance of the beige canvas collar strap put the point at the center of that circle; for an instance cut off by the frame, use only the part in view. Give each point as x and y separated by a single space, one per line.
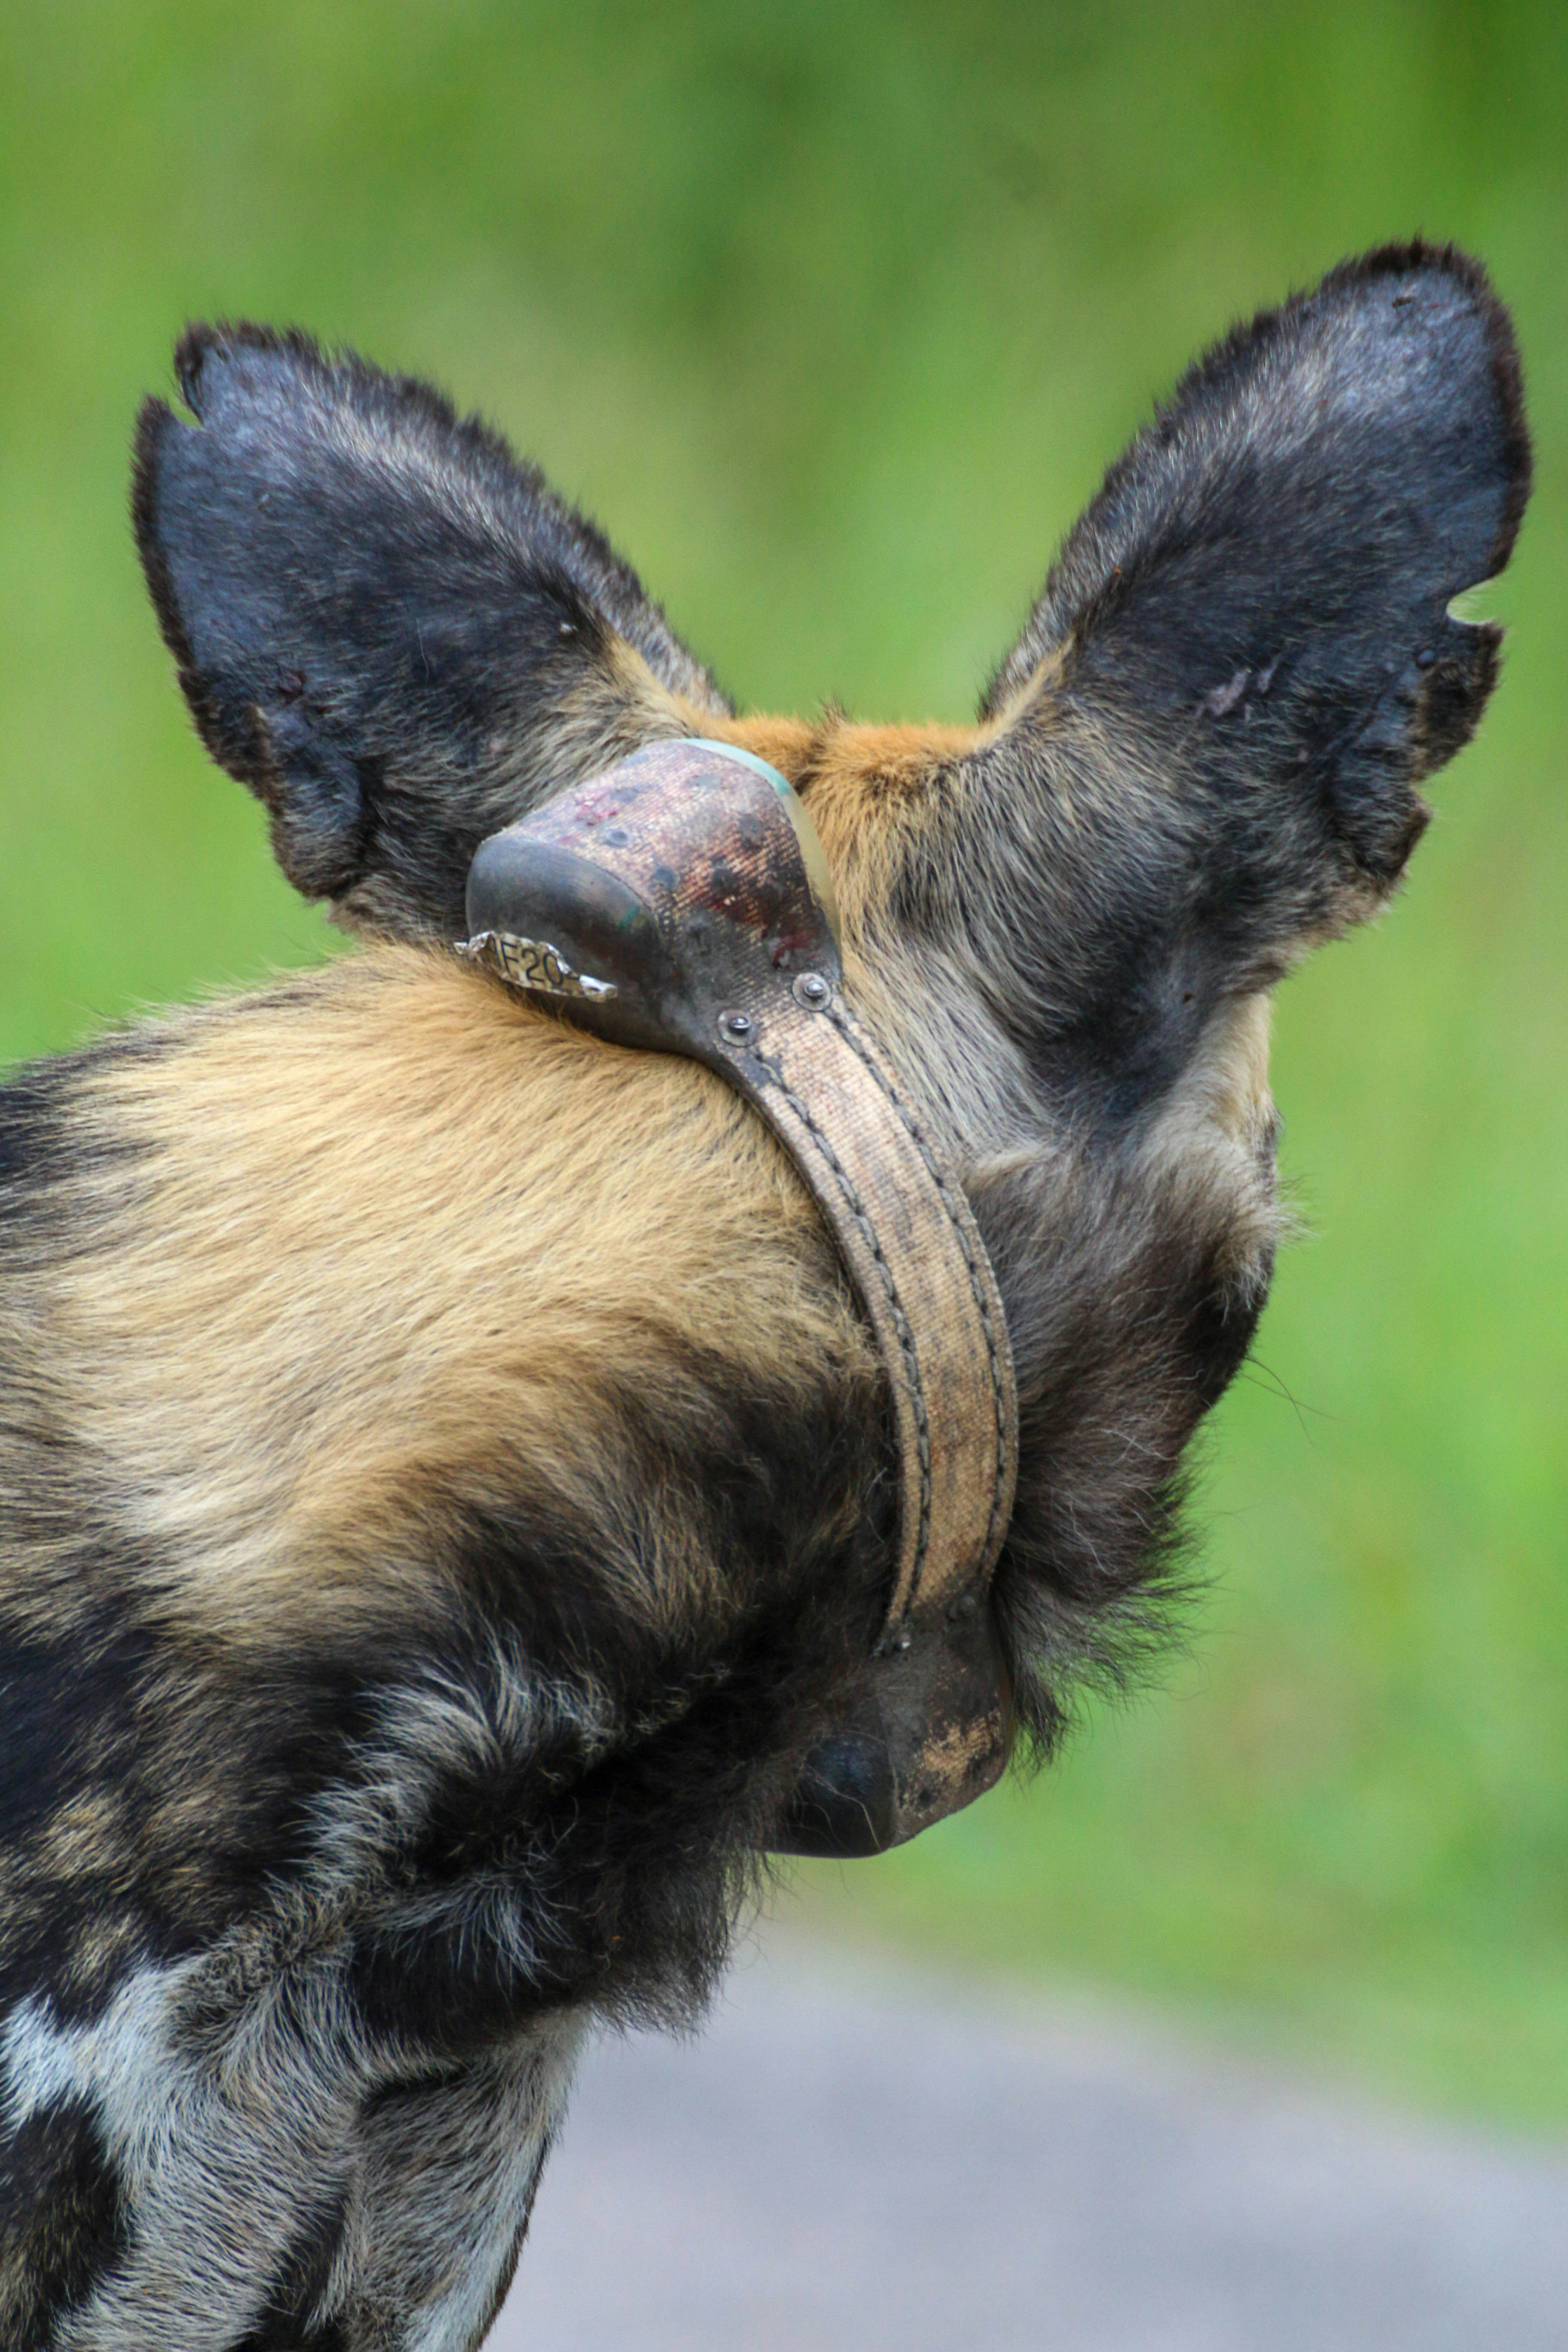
909 1237
680 901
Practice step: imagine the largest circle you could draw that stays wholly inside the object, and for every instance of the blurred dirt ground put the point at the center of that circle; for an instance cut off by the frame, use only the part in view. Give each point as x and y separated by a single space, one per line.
851 2158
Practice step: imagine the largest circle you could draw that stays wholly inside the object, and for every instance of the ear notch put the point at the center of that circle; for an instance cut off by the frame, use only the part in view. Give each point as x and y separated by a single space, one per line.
1258 597
385 625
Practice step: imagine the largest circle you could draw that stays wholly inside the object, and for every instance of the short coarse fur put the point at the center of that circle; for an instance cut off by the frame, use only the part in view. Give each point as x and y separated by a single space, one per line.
444 1476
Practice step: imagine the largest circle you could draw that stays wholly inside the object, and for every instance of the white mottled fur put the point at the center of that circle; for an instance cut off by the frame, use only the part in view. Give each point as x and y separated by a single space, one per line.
224 2136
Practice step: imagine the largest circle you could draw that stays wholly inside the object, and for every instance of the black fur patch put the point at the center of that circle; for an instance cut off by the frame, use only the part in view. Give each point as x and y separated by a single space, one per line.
27 1109
148 1787
1270 562
42 1140
287 2325
627 1855
1127 1325
1248 668
61 2224
382 619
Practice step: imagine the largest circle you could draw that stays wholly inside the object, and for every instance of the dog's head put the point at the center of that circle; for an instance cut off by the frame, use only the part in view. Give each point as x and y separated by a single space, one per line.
1203 756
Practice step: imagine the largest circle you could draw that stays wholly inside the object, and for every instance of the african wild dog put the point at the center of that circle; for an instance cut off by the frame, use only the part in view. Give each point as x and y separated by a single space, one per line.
443 1470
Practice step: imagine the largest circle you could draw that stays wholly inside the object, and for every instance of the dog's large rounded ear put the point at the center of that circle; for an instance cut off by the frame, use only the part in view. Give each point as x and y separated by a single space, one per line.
384 624
1254 606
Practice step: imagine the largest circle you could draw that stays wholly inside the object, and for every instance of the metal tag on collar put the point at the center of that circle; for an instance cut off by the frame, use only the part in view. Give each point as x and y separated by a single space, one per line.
680 902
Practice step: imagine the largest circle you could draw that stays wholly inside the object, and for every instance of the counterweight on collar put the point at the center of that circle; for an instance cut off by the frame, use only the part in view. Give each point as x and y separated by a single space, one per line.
681 902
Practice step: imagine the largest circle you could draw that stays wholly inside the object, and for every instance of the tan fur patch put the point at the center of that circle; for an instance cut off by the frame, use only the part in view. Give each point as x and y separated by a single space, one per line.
388 1229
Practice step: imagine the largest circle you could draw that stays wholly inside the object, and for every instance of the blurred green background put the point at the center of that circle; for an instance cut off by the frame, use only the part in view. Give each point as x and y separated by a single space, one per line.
833 315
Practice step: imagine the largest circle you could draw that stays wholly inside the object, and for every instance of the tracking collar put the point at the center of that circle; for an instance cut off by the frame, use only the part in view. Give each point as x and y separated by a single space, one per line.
681 902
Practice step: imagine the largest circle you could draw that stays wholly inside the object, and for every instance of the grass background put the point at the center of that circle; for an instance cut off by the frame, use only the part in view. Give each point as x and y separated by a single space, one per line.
833 315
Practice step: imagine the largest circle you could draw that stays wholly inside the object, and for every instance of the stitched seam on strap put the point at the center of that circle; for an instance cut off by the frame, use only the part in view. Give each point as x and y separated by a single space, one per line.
944 1186
895 1307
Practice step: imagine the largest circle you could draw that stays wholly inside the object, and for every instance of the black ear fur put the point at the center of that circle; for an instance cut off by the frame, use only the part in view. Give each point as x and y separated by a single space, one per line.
1259 590
387 626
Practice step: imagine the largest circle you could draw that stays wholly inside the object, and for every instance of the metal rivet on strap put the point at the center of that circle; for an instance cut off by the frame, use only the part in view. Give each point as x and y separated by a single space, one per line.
813 989
736 1024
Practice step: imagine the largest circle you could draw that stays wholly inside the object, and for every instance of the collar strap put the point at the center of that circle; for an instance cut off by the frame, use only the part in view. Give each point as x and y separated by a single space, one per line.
681 902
